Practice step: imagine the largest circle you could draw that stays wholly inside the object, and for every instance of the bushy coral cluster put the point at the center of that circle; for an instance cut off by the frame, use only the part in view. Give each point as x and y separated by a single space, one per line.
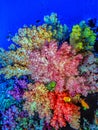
82 37
59 32
14 63
9 116
6 100
18 89
51 64
32 37
37 101
63 111
89 69
43 77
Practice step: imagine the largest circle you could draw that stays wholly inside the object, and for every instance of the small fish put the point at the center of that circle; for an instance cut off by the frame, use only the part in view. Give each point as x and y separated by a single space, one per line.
9 36
37 21
84 104
67 99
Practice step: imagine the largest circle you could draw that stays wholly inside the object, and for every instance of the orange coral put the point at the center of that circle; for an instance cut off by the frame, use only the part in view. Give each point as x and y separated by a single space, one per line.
63 111
37 100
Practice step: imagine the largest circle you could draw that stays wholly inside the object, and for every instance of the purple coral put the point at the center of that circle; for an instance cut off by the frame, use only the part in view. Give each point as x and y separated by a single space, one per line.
18 90
9 116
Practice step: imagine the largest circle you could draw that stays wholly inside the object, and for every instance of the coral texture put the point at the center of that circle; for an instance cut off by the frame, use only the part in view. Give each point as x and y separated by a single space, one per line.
46 74
37 101
63 111
51 64
82 37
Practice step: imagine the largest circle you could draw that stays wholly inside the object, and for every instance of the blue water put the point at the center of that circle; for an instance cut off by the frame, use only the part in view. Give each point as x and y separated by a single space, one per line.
15 13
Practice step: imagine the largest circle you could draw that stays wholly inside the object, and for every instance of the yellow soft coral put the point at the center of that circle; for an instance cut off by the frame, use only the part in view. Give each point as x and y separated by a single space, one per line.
16 70
18 61
37 100
30 38
82 37
19 56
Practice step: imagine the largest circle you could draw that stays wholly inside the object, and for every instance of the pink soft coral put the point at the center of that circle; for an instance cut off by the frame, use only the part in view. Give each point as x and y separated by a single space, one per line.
77 85
89 69
39 66
53 64
63 111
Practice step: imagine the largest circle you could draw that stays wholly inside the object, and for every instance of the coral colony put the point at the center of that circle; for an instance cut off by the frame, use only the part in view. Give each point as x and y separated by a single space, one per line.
46 74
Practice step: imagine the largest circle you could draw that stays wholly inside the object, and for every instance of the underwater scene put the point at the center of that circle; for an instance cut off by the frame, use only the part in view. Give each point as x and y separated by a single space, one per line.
49 65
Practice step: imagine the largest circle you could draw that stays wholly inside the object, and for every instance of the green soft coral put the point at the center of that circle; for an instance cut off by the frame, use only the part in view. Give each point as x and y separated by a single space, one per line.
82 38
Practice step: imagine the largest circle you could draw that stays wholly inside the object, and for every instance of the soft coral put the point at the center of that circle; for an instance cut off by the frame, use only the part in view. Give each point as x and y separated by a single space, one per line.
63 111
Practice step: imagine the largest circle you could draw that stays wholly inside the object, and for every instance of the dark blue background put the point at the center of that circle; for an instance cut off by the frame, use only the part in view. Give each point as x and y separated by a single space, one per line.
15 13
